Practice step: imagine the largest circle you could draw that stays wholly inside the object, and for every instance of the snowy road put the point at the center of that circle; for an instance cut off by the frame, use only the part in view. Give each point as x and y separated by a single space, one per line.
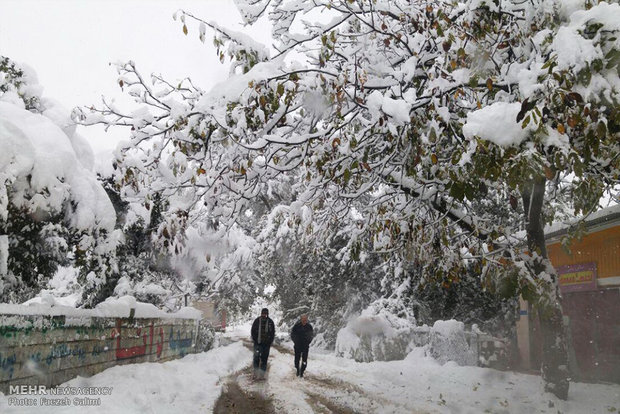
283 392
219 381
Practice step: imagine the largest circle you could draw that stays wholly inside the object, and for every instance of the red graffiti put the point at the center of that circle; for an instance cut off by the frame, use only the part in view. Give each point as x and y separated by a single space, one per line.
160 344
138 350
131 352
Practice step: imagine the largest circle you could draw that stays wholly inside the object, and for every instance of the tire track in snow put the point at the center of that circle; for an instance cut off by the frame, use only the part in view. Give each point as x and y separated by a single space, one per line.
236 399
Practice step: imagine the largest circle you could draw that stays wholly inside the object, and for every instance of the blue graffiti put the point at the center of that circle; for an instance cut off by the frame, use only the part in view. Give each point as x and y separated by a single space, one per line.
7 363
35 357
179 343
98 350
63 350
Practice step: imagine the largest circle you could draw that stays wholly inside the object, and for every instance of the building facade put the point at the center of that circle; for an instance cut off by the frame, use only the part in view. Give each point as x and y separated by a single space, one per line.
589 281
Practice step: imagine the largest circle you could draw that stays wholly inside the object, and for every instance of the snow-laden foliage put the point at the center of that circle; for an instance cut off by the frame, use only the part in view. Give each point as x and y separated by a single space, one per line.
432 130
310 275
447 342
492 304
380 333
53 211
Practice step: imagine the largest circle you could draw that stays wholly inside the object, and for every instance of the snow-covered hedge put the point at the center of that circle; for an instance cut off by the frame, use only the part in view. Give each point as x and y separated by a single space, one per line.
378 335
447 342
53 209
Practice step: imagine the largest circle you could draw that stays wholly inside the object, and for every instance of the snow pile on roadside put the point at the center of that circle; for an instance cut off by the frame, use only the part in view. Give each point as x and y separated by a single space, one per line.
188 385
447 343
419 384
378 335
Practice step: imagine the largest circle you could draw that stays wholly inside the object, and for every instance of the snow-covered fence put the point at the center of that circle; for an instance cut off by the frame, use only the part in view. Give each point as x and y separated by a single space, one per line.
48 345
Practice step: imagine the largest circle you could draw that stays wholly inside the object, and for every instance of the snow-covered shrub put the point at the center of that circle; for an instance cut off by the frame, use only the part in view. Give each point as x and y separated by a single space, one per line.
447 342
19 83
494 309
380 334
206 336
377 335
53 211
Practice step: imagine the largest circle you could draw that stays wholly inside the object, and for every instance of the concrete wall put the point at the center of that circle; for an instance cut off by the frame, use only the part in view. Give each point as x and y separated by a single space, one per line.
49 350
215 317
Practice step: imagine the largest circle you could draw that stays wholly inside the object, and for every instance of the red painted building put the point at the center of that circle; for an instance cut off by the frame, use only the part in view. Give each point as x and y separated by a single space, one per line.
589 279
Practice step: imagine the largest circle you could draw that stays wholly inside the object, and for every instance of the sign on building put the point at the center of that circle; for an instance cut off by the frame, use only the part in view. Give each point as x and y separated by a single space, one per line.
577 278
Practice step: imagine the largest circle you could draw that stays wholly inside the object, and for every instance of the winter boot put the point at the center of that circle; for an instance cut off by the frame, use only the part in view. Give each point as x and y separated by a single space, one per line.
297 371
301 371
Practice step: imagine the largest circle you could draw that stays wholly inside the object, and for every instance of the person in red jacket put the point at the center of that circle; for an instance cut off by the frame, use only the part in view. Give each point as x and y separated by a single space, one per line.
302 335
263 332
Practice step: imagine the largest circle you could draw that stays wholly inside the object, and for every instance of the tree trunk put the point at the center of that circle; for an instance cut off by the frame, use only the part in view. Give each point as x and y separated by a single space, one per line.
554 347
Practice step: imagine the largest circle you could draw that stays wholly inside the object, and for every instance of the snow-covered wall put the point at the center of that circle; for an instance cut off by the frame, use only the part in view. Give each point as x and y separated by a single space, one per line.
48 345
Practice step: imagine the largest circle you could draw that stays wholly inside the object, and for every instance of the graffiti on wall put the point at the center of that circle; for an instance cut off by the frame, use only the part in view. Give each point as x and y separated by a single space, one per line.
139 350
178 343
32 352
7 364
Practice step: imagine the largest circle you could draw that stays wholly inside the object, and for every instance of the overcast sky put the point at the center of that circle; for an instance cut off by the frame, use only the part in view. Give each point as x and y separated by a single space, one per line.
70 43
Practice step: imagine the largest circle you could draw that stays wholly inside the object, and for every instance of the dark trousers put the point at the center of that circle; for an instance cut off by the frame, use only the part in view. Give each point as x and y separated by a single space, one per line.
301 351
261 353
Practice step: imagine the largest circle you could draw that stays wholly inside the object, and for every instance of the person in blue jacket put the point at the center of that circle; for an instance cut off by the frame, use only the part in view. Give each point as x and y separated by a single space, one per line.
302 335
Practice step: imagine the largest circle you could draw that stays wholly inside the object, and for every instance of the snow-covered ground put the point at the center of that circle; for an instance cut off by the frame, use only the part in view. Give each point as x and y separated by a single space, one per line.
188 385
417 384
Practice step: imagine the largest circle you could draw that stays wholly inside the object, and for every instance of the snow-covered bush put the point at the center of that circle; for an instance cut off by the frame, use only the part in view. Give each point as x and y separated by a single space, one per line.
19 83
53 211
377 335
447 342
206 336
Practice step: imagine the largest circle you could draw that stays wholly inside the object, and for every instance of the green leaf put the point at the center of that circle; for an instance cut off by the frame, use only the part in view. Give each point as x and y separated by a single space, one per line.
432 136
525 122
578 168
585 76
601 130
456 157
473 81
469 191
613 59
457 191
347 175
597 65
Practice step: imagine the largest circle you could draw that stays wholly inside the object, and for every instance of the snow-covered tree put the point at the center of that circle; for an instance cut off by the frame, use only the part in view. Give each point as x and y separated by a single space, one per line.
310 274
53 211
466 122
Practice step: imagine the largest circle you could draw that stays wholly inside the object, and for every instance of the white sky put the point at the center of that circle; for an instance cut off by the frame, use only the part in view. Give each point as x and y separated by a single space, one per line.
69 43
